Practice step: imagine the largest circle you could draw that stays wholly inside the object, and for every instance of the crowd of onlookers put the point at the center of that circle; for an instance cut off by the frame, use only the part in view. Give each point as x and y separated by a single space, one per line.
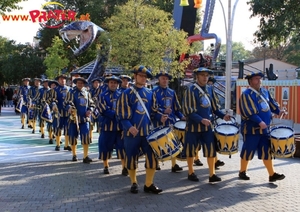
8 97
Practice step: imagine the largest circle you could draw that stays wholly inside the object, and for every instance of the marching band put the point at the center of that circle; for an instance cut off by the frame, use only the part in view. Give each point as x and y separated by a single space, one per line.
130 117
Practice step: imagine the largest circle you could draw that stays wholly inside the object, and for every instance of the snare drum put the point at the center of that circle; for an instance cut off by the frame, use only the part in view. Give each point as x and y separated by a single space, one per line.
227 135
179 131
164 143
282 141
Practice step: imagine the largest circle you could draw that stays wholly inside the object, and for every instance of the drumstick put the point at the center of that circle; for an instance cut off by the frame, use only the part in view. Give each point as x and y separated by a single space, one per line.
270 125
164 115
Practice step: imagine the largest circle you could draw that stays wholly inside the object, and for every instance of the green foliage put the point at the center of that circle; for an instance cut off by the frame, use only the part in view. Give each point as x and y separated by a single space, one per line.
292 54
142 34
279 21
20 61
238 52
9 5
56 59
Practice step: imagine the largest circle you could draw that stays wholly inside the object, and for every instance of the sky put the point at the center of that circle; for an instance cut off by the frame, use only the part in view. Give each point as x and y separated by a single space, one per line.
243 26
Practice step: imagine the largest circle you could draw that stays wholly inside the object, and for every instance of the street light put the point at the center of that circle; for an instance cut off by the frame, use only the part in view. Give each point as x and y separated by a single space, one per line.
230 18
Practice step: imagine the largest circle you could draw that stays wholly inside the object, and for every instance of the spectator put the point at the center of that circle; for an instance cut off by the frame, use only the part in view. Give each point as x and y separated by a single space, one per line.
9 96
2 94
15 100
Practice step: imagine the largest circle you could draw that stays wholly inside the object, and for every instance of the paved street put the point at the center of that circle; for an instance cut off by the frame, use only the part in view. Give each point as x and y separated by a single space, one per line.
34 177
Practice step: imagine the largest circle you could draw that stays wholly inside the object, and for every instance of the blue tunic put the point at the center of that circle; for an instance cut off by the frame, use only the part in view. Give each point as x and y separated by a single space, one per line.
166 98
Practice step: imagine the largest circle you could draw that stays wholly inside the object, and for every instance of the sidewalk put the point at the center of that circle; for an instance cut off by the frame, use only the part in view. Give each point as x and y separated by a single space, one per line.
34 177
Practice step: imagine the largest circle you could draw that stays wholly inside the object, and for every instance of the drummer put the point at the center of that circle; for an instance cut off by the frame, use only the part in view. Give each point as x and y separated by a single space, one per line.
167 103
134 108
256 106
211 81
199 102
23 100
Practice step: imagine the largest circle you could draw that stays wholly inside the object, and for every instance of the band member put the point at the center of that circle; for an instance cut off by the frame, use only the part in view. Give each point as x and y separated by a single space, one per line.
167 103
95 91
54 114
111 134
34 98
80 106
134 109
199 102
256 106
125 82
23 100
218 163
58 95
43 94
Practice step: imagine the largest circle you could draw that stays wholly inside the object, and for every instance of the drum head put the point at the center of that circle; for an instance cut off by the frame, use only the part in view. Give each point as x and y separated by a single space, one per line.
180 125
158 133
282 132
227 129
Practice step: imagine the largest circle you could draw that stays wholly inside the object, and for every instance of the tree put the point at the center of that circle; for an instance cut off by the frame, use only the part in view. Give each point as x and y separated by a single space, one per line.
279 21
238 52
22 61
56 59
268 52
292 54
9 5
142 34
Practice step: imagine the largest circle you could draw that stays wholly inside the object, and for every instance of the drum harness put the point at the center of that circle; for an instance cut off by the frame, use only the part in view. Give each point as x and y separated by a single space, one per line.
204 94
144 107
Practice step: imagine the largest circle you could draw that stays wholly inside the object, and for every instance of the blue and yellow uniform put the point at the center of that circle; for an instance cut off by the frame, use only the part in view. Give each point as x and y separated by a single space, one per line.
95 92
58 95
131 113
200 102
34 97
80 101
54 116
43 95
23 100
111 131
256 107
166 99
197 107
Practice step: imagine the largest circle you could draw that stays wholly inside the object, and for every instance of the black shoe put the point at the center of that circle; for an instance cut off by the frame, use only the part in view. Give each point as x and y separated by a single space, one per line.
275 177
42 136
105 170
124 172
176 168
74 158
158 168
219 163
57 148
87 159
193 177
68 148
214 178
22 127
198 162
134 188
243 176
50 141
60 142
152 189
33 131
29 126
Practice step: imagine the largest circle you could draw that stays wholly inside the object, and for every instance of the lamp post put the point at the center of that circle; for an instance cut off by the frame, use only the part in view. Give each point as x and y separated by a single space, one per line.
230 19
